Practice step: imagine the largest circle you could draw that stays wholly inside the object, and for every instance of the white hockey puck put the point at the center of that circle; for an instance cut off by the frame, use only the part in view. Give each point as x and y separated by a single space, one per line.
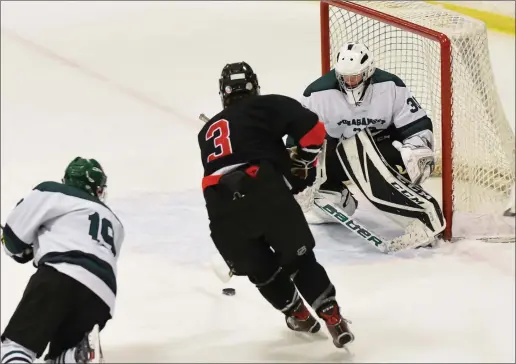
229 291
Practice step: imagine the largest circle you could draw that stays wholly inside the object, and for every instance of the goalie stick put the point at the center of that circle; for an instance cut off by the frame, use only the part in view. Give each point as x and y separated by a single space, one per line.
366 234
356 227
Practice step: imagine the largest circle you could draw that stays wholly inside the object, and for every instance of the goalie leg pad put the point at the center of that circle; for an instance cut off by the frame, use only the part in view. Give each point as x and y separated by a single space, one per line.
391 193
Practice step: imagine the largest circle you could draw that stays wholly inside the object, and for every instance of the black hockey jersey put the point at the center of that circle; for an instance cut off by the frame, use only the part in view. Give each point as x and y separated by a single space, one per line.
252 130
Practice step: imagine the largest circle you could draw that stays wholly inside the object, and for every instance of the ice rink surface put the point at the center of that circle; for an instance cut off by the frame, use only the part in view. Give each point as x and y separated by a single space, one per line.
124 82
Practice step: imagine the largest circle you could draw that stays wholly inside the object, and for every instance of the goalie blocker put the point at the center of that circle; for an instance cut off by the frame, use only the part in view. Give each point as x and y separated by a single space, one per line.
407 204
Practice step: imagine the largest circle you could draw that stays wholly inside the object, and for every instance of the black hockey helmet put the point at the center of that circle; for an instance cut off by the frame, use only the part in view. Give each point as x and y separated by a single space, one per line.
237 81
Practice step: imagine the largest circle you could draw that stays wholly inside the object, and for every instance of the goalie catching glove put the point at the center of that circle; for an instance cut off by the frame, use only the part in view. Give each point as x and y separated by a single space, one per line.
418 157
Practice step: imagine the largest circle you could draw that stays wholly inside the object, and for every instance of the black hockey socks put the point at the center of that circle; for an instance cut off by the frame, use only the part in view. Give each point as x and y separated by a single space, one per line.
278 289
312 281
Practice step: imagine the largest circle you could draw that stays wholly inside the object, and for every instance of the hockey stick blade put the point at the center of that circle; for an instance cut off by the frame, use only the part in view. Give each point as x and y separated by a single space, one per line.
220 268
351 224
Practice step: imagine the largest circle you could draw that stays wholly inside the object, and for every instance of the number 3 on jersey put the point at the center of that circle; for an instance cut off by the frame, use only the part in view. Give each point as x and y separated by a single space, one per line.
221 141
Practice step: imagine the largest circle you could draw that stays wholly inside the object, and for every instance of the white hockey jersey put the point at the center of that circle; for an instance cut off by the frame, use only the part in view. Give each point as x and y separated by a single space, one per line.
71 231
387 103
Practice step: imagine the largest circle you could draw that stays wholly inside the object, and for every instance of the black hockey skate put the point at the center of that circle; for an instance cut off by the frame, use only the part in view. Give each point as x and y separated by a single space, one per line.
300 319
89 350
337 325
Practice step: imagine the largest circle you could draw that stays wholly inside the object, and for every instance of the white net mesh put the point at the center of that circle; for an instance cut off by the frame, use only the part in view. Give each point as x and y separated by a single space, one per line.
483 141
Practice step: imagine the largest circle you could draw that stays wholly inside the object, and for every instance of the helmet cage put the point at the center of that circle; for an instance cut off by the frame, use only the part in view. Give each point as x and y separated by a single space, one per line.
354 68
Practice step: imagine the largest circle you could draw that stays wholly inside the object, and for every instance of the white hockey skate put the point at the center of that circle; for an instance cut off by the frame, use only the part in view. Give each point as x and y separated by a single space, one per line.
315 216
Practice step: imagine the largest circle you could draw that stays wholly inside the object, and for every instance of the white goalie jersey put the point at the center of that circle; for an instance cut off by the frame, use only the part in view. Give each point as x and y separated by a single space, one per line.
386 104
70 230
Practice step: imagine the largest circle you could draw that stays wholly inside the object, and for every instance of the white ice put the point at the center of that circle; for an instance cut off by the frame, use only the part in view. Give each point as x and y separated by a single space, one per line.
124 82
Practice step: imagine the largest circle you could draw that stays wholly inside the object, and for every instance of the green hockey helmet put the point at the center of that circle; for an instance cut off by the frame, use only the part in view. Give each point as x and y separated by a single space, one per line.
88 175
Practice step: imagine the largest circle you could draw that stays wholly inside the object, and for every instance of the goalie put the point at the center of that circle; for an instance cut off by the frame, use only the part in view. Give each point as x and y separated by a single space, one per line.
376 132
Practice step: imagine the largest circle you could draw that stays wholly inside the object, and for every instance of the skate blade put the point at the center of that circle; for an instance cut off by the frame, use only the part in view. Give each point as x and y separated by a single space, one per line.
341 355
348 354
344 339
94 342
318 334
309 337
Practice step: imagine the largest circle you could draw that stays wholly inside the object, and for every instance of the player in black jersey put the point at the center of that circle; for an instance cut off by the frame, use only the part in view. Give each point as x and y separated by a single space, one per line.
249 181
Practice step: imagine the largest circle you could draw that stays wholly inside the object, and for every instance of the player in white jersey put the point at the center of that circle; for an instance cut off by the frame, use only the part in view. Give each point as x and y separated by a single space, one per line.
354 96
74 240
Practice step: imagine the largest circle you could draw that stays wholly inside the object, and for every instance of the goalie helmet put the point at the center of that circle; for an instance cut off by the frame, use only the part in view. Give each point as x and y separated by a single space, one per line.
236 82
88 175
353 68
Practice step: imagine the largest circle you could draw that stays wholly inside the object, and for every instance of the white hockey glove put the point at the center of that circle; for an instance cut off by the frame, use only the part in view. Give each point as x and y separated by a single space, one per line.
418 157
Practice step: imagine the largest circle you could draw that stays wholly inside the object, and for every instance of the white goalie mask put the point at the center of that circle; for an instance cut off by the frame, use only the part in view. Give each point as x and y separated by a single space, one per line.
353 68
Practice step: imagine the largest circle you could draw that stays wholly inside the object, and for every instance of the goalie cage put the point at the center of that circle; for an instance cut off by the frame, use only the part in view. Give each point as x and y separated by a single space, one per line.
443 58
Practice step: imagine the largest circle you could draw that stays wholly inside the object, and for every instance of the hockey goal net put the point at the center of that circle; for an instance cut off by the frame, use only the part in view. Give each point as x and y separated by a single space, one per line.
443 57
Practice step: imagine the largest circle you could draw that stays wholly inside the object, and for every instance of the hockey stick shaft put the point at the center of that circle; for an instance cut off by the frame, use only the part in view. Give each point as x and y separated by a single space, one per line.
204 118
219 268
